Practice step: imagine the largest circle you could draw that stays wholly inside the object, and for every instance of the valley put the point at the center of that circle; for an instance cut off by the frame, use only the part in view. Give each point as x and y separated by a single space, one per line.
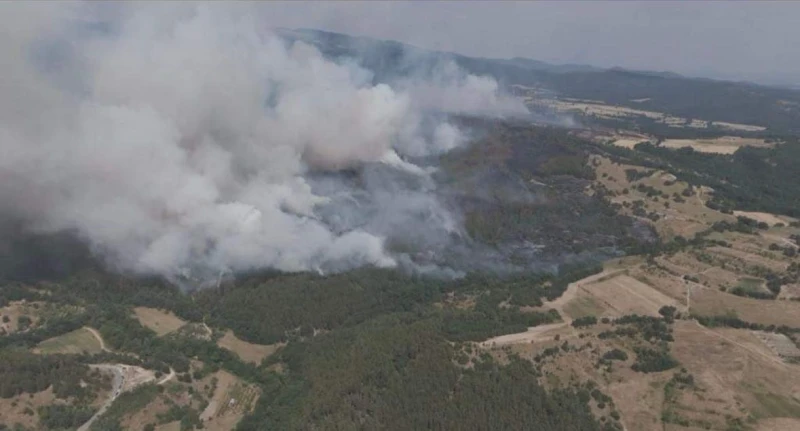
624 256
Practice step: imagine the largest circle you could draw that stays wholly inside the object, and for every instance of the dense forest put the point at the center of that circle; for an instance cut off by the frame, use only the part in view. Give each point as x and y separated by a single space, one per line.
384 355
24 372
398 373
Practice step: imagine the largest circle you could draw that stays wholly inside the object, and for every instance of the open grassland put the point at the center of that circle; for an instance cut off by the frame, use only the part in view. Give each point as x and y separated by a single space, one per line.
76 342
160 322
249 352
770 219
23 409
734 372
712 302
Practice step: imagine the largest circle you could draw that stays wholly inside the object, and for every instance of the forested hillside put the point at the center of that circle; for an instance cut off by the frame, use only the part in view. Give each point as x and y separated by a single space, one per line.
534 347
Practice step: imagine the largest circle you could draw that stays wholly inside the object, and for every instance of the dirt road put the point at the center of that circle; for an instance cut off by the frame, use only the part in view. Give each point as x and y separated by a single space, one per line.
98 337
168 377
533 334
125 378
116 389
548 332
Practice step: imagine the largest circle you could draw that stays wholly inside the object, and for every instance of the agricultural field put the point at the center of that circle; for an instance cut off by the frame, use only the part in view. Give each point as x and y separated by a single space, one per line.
721 145
601 110
617 296
712 302
238 400
230 401
724 377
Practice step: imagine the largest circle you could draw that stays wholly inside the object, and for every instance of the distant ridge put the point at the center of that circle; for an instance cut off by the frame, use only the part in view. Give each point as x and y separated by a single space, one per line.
777 108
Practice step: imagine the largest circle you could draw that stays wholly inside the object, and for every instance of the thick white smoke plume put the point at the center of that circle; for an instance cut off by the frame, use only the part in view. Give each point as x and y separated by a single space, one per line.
181 139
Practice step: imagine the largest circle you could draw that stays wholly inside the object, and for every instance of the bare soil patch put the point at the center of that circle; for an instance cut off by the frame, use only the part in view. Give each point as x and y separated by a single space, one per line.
161 322
535 334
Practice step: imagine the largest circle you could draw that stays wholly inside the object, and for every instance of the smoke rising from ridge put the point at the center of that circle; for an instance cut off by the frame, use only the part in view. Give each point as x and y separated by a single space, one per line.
186 141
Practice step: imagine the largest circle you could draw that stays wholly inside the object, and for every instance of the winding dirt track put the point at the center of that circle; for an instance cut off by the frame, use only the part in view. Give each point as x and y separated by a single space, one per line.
119 380
98 337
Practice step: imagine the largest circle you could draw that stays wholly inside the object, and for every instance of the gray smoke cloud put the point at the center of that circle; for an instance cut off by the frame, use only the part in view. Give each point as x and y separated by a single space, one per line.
186 141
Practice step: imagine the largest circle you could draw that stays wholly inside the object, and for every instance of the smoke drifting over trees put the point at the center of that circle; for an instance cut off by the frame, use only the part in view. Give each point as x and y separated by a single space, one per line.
187 141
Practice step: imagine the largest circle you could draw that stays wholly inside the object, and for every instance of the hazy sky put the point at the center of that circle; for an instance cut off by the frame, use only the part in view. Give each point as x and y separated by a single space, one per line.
736 40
